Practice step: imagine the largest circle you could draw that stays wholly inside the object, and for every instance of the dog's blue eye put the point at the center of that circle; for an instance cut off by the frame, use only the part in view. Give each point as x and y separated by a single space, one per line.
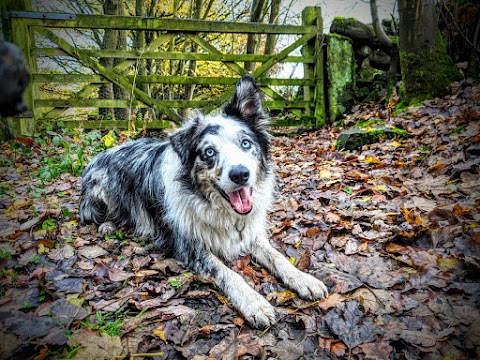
210 152
246 144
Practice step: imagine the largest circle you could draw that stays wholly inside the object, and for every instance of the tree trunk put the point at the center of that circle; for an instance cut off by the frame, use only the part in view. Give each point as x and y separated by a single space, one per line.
273 19
256 15
426 67
385 41
119 92
110 40
140 45
377 25
192 66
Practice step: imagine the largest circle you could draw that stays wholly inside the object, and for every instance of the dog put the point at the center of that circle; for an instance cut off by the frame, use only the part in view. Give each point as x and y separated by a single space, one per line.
203 195
15 76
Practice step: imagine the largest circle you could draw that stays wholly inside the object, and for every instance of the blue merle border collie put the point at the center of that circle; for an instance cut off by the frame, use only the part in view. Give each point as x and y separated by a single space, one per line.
204 195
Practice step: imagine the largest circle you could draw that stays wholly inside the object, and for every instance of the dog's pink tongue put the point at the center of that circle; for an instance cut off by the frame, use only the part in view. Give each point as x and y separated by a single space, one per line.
241 200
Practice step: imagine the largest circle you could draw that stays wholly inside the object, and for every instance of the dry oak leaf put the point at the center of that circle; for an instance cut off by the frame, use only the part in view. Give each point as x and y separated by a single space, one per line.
351 326
91 251
95 346
330 302
425 338
235 346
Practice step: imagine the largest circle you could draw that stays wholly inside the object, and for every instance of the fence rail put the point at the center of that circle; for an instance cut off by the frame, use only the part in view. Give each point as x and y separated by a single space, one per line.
44 35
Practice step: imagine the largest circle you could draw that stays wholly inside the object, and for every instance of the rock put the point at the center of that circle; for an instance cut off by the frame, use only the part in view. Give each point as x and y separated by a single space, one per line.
355 138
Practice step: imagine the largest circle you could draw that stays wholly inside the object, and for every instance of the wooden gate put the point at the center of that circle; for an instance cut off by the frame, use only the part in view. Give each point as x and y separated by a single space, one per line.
42 35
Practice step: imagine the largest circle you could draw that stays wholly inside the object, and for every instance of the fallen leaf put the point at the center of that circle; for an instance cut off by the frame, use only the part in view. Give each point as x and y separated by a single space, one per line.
91 251
325 174
281 296
115 274
331 301
159 332
95 345
350 325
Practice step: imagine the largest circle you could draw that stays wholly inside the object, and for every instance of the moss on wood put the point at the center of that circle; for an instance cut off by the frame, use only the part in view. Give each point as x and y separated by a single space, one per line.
356 138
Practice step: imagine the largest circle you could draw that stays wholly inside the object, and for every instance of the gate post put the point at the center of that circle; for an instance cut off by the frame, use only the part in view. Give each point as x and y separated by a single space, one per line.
312 15
17 32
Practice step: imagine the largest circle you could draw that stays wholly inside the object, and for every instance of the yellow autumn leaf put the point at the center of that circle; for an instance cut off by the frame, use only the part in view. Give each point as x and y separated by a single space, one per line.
19 204
281 296
325 174
42 249
291 260
382 188
72 223
371 160
448 263
395 144
160 334
9 209
109 139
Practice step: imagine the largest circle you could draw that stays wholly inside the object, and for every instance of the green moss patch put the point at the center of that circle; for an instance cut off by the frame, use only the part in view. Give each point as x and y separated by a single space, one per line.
356 138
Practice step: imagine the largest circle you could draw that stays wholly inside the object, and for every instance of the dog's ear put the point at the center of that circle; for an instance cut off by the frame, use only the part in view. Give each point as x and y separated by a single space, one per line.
247 102
183 140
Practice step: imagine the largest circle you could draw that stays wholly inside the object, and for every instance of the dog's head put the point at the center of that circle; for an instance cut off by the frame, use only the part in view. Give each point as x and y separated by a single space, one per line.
227 154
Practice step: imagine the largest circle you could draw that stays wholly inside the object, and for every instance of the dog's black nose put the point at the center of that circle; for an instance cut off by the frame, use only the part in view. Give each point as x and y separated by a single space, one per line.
239 174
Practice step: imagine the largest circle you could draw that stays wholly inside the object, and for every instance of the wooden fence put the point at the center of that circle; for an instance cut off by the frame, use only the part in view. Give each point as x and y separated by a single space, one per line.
32 30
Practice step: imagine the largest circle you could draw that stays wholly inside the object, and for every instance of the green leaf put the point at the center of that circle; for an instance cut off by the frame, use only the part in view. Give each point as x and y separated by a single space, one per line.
49 224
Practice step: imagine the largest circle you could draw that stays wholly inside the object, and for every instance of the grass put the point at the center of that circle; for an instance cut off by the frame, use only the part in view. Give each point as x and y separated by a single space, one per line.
109 323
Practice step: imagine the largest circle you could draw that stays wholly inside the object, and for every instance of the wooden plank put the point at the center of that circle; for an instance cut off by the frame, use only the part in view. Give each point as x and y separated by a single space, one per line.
159 41
281 55
159 79
21 36
109 74
109 124
126 104
288 122
319 91
213 50
87 90
159 24
233 66
162 55
125 124
260 71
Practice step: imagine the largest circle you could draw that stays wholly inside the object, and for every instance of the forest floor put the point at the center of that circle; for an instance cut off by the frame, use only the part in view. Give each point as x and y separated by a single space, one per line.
393 229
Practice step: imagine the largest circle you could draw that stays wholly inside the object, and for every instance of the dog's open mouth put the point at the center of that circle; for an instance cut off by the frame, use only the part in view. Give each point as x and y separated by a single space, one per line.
241 200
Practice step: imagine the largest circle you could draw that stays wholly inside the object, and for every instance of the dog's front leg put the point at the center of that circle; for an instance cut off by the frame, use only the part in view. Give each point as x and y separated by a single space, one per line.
305 285
256 310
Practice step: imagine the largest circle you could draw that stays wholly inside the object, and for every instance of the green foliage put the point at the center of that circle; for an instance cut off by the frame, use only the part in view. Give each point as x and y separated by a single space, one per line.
174 283
109 323
363 123
66 153
6 189
49 224
4 254
117 236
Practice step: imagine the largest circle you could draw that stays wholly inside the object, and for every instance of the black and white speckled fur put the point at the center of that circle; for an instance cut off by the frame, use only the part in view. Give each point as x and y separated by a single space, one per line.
177 194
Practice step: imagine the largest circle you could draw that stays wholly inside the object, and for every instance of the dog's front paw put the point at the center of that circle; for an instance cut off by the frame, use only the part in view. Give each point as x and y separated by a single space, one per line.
259 313
107 228
309 287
